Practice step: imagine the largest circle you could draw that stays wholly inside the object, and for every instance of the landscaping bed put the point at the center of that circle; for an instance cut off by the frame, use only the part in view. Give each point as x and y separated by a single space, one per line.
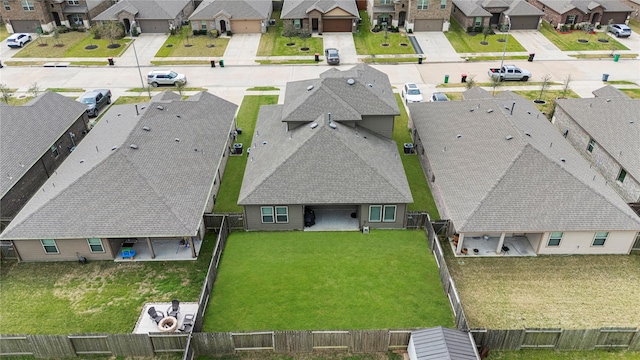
74 45
272 43
184 44
370 43
464 42
569 41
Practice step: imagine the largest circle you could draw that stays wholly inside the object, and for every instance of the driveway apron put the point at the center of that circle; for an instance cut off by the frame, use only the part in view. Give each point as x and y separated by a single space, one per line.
344 43
534 42
436 47
242 49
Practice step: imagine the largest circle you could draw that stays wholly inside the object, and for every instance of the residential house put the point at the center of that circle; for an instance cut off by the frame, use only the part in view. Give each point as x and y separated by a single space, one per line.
320 16
237 16
635 8
605 130
512 185
35 139
30 16
150 16
475 14
414 15
327 152
571 12
137 186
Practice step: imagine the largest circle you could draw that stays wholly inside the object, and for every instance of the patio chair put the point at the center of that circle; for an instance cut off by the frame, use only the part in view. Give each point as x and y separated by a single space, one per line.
174 309
156 316
187 324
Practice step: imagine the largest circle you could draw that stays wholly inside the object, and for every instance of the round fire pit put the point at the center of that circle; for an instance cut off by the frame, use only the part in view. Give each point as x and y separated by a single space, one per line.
168 324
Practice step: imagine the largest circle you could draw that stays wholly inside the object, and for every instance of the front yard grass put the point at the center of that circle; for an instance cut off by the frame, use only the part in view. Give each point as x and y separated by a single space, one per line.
464 42
633 93
549 96
227 200
370 43
634 25
98 297
272 43
569 41
184 44
548 291
74 44
327 281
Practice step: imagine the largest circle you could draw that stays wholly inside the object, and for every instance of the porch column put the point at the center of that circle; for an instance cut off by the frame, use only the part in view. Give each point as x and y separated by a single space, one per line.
500 243
460 241
153 255
193 246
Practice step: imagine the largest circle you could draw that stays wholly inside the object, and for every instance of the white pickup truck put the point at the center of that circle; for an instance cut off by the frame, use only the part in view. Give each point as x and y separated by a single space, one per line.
510 72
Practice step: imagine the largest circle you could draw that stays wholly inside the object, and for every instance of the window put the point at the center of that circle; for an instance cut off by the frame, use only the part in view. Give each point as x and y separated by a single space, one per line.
49 246
297 23
554 239
27 5
443 4
621 175
423 4
389 213
73 2
600 238
375 213
54 151
267 214
478 21
592 144
95 245
77 19
571 19
385 2
282 214
203 25
6 5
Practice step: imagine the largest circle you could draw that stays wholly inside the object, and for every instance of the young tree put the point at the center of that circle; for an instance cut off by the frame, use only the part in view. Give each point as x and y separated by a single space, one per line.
471 82
34 89
546 83
5 93
304 34
111 30
486 32
565 87
289 31
180 87
56 37
495 83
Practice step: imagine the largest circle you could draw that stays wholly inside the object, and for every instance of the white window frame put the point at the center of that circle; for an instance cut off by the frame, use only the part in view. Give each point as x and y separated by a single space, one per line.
263 215
77 19
73 2
600 237
380 216
423 4
286 214
622 174
443 4
27 5
591 145
571 19
385 2
99 244
203 25
297 23
477 22
555 238
385 210
54 151
7 6
44 246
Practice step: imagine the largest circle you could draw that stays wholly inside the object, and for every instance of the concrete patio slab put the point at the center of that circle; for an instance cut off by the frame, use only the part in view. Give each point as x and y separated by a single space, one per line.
146 325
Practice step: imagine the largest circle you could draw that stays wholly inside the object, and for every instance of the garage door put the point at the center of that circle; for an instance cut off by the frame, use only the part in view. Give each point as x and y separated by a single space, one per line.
245 26
336 25
428 25
617 17
154 26
524 22
25 26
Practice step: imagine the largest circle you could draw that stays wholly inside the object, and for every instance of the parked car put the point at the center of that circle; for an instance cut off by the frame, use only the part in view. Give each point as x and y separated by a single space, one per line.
438 96
510 72
96 99
332 56
411 93
620 30
18 40
165 77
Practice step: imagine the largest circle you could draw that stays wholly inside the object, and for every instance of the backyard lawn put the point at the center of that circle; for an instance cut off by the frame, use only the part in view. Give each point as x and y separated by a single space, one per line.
370 43
184 44
295 280
227 200
74 44
98 297
566 292
569 41
465 42
272 43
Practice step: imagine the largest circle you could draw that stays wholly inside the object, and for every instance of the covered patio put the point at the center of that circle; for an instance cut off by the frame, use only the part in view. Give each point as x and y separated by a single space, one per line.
157 249
491 246
334 220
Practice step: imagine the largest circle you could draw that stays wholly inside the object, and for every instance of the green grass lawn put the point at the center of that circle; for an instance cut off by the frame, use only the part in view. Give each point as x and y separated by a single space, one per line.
464 42
422 198
633 93
3 33
272 43
569 41
74 44
369 43
634 25
101 296
184 44
227 200
327 281
540 354
549 96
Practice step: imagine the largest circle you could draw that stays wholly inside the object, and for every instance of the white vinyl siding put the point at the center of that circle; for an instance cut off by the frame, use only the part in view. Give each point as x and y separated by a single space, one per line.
49 246
95 245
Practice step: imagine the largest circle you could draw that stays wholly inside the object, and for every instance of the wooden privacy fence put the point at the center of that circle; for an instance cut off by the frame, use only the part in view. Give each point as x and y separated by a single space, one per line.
214 221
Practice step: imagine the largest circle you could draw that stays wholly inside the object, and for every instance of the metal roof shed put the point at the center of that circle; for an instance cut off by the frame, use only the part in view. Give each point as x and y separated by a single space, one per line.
440 343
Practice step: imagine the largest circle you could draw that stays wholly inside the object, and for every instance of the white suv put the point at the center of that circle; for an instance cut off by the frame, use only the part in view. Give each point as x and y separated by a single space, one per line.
411 93
165 77
18 40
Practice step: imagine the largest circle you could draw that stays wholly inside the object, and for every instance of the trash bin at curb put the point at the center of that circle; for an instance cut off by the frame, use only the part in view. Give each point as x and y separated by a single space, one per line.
531 56
605 77
446 79
317 57
463 79
616 57
213 63
419 59
221 63
110 61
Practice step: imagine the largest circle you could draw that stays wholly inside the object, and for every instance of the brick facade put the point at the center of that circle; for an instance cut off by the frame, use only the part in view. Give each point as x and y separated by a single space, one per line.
466 22
556 19
411 11
50 13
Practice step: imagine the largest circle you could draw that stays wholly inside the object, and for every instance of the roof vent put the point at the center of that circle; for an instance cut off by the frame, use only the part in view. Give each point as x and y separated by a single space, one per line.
264 143
146 128
314 125
529 112
458 136
333 125
310 87
133 146
509 137
608 100
563 160
507 108
178 116
351 81
631 122
489 111
370 85
471 110
81 161
113 148
527 133
176 140
160 107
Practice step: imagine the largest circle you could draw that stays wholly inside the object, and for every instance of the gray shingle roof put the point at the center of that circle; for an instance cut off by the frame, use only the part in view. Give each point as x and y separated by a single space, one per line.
562 6
476 93
614 123
39 123
145 9
609 92
522 8
471 8
237 9
297 9
490 183
443 344
109 189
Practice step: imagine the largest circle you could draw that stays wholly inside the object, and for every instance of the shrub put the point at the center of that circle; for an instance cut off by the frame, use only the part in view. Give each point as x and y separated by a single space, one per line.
410 31
572 27
173 31
63 29
215 33
229 33
599 27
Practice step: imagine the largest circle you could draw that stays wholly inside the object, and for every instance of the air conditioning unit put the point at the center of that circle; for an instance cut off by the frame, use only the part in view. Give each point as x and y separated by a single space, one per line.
365 229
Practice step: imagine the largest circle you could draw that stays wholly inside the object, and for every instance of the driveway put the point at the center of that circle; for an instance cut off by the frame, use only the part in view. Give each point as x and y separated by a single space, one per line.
242 49
146 46
344 43
534 42
436 47
632 42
